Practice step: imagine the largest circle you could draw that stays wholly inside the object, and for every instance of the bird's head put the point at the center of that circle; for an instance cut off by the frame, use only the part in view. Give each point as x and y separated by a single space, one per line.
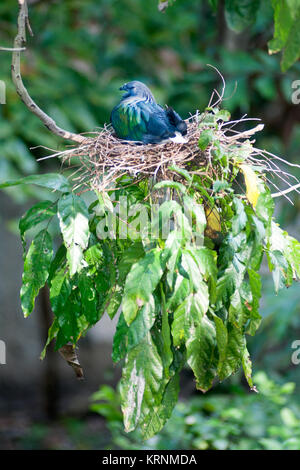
137 89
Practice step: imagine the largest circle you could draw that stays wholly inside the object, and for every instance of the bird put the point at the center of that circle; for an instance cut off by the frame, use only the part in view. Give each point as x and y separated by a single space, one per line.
139 118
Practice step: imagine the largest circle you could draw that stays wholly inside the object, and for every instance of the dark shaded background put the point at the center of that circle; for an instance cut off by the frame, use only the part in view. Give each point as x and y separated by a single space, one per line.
80 55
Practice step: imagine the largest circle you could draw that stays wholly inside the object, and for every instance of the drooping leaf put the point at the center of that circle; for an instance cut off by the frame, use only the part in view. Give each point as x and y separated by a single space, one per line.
200 346
36 214
286 32
53 181
36 269
251 181
140 383
141 282
231 344
255 286
74 224
128 337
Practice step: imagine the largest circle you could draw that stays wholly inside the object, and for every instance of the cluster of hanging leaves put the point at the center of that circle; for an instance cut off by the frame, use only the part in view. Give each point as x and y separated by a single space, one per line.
184 278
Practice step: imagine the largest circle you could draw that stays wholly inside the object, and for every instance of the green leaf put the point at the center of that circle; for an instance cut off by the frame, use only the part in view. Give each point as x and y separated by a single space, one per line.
200 346
291 51
170 184
231 345
247 367
189 269
265 207
182 289
286 32
58 261
53 181
226 285
255 286
141 383
205 139
52 333
36 269
206 261
60 291
141 281
240 219
74 224
66 305
89 298
35 215
154 421
240 14
162 339
223 115
181 172
278 266
128 337
190 312
193 209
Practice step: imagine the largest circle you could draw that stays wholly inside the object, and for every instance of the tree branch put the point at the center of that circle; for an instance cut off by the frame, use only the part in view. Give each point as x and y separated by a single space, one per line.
19 43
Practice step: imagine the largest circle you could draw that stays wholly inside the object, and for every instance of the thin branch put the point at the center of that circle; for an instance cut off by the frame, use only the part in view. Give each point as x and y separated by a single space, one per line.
19 44
286 191
12 49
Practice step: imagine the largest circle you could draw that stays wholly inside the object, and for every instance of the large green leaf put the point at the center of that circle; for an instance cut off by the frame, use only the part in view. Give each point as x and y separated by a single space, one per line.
189 312
255 286
141 282
286 32
89 298
231 345
36 269
201 357
128 337
141 383
74 224
153 422
53 181
66 305
36 214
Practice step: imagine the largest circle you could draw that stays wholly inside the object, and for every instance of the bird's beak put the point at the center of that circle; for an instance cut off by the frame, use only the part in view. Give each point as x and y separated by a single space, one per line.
122 88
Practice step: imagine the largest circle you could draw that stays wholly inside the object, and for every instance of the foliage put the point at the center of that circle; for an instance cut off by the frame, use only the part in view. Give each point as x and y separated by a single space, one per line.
237 421
87 277
79 57
187 283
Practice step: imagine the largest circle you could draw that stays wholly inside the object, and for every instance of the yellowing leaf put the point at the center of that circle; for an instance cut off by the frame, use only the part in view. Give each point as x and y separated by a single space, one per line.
251 181
213 220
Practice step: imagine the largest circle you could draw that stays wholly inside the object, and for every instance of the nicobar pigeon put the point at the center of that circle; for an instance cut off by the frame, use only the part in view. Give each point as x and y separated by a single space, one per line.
139 118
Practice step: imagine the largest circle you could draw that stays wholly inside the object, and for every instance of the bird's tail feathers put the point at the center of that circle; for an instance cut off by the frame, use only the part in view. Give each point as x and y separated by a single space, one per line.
176 121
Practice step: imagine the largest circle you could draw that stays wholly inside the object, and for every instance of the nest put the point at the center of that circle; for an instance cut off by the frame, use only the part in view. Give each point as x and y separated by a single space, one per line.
102 158
105 158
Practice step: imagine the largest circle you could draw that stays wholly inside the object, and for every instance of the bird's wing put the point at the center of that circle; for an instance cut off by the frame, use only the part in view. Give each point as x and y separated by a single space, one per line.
128 121
156 122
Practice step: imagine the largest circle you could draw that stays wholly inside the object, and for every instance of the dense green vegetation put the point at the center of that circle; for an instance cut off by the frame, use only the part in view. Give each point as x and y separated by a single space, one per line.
80 55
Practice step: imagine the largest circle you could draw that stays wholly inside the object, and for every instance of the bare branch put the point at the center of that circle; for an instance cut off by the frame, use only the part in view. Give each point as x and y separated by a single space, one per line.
19 44
286 191
12 49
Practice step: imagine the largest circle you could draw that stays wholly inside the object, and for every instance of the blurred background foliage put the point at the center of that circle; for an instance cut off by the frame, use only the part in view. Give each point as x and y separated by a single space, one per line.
80 55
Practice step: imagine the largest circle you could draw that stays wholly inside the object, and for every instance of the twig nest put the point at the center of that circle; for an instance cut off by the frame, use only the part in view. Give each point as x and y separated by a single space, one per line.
105 158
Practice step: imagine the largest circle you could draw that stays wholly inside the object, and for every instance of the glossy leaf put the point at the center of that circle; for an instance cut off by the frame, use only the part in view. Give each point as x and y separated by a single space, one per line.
36 269
74 224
